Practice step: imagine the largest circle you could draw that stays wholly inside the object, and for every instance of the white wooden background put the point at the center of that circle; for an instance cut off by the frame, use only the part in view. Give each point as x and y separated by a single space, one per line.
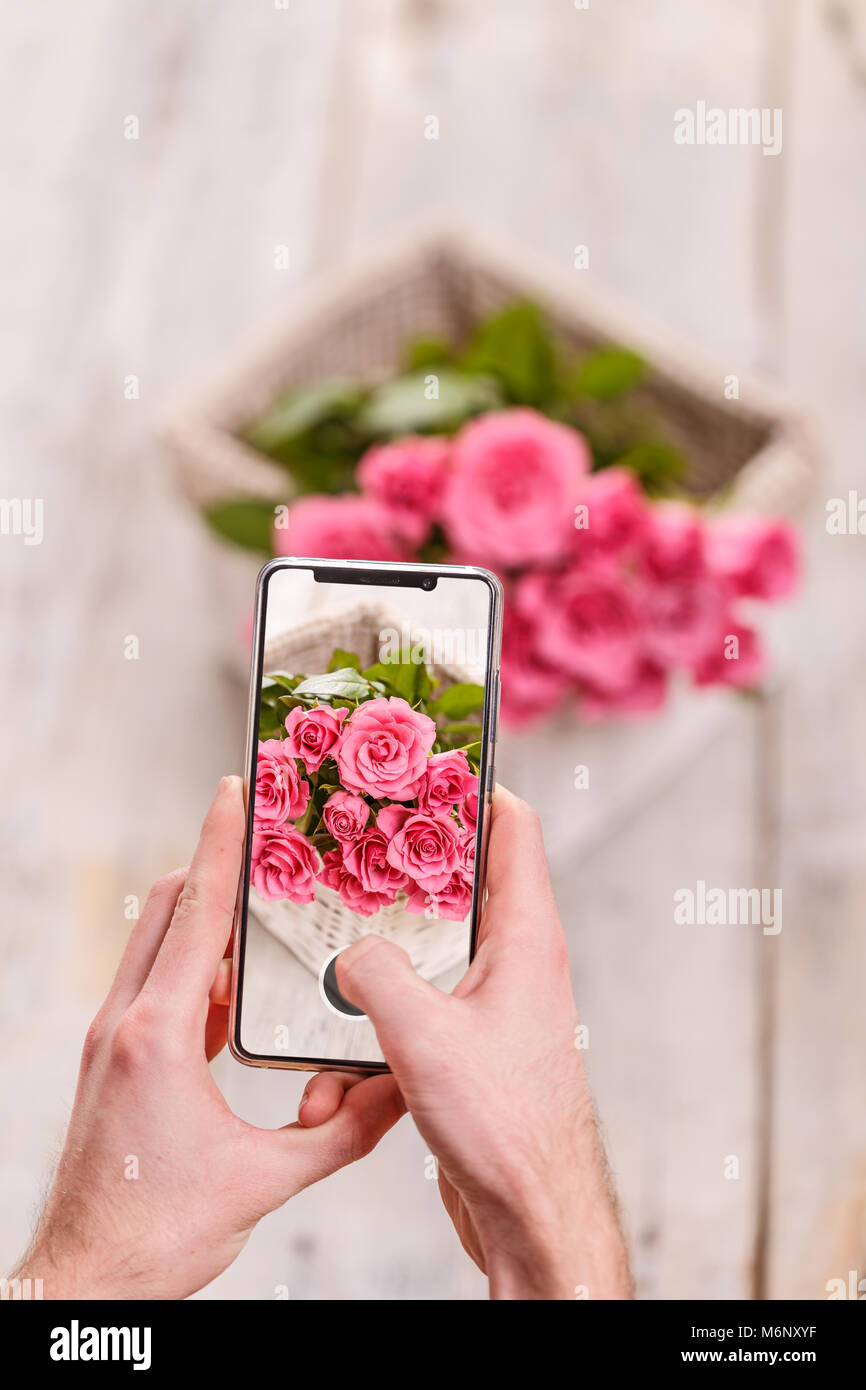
305 126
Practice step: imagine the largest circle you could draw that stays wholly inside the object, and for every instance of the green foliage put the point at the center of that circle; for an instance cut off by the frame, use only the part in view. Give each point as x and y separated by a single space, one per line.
300 410
246 523
319 432
428 352
407 405
311 430
342 659
461 699
346 683
515 348
607 373
658 466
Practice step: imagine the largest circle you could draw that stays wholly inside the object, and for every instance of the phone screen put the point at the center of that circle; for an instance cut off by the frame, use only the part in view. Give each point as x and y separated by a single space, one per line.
374 708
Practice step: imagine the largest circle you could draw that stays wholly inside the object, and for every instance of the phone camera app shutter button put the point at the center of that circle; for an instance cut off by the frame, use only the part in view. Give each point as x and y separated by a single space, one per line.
330 990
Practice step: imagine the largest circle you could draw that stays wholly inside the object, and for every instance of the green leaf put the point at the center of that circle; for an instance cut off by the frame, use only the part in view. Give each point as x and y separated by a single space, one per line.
658 466
297 411
378 674
340 660
313 469
248 523
607 373
304 823
404 407
516 348
346 683
423 686
428 352
461 732
461 699
322 840
290 701
408 679
282 680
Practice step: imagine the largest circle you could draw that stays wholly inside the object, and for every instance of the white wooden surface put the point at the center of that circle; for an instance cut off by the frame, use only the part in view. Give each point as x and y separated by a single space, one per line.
305 127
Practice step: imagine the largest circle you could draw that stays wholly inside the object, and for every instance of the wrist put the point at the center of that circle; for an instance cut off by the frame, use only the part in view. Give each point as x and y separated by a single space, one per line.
58 1274
585 1259
555 1239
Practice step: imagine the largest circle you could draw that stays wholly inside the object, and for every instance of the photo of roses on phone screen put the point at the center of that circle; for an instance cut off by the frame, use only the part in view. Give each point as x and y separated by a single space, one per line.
366 808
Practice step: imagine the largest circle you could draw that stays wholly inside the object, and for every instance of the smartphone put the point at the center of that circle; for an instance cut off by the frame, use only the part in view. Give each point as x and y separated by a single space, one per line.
374 701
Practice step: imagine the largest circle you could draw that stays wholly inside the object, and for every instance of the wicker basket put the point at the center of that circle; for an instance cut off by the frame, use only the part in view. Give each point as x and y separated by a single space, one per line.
313 931
756 449
757 453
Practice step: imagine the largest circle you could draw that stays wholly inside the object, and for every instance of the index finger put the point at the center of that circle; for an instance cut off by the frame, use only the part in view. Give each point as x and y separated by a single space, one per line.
191 951
519 892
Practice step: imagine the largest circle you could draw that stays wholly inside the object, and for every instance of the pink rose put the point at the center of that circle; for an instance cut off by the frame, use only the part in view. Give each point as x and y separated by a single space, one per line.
674 542
338 528
352 892
617 512
530 686
424 847
646 694
511 492
683 618
384 749
281 794
466 854
313 734
345 816
468 812
589 621
368 860
407 479
453 901
283 865
738 662
759 558
447 781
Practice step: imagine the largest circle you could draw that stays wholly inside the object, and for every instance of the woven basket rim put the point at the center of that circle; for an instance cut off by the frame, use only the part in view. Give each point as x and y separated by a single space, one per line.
199 425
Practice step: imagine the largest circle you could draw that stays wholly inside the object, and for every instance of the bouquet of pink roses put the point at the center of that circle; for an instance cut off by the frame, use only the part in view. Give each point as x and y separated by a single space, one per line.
369 787
608 592
508 453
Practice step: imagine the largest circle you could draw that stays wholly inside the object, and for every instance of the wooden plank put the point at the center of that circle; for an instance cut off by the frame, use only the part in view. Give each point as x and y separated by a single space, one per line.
817 1214
671 1015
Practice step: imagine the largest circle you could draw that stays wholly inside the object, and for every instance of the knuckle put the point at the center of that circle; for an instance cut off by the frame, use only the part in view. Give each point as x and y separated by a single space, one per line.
195 900
135 1038
168 885
94 1040
188 904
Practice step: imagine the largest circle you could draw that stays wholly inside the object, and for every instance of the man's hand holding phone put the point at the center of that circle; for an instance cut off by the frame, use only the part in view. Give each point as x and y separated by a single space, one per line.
496 1086
159 1184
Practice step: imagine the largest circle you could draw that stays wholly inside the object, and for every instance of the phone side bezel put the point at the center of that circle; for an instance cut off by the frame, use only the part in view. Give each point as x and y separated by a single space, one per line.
489 728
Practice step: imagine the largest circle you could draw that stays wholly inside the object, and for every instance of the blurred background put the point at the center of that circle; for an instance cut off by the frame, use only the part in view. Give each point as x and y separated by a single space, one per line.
302 125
